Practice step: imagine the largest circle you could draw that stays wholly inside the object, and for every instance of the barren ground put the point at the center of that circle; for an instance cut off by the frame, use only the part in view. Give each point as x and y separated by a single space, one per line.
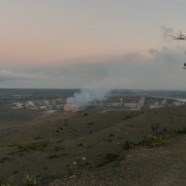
112 148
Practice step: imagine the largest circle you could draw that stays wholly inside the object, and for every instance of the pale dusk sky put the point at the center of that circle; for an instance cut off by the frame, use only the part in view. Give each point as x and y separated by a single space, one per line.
98 43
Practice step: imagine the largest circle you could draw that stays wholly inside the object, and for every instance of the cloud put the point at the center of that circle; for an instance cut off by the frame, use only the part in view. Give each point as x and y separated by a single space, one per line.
7 75
162 70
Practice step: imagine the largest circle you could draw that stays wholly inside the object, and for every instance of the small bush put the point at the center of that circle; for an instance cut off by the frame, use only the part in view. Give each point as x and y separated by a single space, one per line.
155 128
3 159
80 161
90 123
15 172
128 116
53 156
111 135
80 144
29 180
109 157
128 145
4 182
181 131
60 141
39 145
153 141
58 148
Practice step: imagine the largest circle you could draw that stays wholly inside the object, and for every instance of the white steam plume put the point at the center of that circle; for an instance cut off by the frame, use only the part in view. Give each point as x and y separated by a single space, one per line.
85 97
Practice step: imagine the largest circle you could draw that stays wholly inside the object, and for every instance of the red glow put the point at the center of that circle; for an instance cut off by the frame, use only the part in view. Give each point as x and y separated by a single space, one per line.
71 108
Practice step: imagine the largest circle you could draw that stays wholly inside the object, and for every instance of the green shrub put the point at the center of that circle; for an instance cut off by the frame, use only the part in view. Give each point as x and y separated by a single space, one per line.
153 140
128 145
80 161
3 159
29 180
53 156
4 182
39 145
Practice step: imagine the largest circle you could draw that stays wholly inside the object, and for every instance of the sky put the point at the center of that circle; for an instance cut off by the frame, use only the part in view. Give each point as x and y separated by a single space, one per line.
92 43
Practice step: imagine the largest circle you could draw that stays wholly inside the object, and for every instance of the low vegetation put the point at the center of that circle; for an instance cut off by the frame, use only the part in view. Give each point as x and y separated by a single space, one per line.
98 140
80 161
7 182
28 180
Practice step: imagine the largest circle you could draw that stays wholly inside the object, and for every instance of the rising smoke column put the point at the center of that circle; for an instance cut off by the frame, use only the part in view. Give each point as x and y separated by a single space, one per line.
85 97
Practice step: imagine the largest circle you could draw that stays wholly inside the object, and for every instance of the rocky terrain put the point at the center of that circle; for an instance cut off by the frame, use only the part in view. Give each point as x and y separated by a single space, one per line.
125 103
125 140
95 148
